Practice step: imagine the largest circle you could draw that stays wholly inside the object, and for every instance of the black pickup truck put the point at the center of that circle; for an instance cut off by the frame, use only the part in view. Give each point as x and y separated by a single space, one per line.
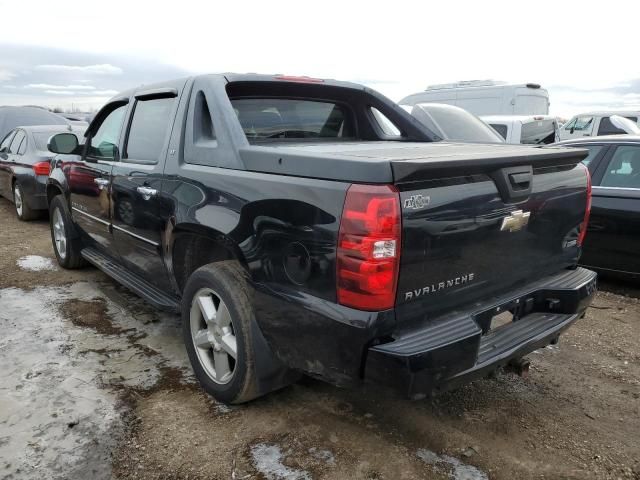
313 226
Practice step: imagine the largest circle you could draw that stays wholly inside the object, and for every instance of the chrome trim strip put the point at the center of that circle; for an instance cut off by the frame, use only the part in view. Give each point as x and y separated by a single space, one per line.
104 222
150 242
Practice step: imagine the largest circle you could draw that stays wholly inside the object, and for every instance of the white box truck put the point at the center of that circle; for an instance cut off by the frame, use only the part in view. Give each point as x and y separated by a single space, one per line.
486 97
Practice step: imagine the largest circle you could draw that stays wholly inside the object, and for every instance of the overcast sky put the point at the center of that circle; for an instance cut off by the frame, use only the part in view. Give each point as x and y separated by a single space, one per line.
65 52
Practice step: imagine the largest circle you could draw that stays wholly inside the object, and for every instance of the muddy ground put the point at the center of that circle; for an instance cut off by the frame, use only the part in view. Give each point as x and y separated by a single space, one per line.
95 384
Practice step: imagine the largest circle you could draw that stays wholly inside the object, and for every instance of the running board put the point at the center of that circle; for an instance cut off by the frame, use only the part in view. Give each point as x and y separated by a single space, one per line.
133 282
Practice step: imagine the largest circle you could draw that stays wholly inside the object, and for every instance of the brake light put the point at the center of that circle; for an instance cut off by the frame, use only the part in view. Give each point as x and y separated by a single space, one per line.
42 168
300 79
369 247
587 212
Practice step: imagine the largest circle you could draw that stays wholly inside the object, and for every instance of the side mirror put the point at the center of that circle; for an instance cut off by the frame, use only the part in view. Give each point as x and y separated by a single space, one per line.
571 131
65 143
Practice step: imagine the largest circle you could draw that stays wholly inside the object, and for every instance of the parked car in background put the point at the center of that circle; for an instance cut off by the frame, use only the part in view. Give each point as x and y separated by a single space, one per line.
534 130
612 244
453 124
303 225
594 124
78 118
12 117
25 165
486 97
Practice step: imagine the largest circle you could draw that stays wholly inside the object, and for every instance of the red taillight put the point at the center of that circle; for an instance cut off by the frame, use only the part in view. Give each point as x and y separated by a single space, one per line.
369 247
41 168
587 211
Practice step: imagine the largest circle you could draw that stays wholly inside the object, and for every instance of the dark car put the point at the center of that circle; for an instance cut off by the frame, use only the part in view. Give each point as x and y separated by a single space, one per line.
12 117
612 245
313 226
453 123
25 165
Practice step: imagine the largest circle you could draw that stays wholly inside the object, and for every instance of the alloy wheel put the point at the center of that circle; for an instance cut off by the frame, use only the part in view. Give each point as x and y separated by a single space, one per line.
17 198
59 234
213 335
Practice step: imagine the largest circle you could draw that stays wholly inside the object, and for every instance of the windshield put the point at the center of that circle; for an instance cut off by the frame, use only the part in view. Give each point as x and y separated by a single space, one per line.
539 132
276 118
454 123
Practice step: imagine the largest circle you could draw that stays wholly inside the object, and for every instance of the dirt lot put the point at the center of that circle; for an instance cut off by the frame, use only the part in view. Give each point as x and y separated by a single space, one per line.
95 384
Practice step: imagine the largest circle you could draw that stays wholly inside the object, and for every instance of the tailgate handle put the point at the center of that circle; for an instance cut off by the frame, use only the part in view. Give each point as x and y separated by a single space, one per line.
520 180
514 183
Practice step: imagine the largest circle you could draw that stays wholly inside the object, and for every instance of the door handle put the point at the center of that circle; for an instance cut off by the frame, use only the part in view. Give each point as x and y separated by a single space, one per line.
102 182
147 192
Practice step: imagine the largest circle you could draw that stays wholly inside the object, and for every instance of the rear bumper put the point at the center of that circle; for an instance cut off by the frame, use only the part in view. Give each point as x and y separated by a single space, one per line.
35 190
453 350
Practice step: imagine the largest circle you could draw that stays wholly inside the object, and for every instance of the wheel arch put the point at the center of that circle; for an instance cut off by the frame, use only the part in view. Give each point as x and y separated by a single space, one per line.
53 190
192 246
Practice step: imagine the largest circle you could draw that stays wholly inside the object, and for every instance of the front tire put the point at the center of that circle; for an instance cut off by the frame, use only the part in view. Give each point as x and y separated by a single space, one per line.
23 212
66 244
216 325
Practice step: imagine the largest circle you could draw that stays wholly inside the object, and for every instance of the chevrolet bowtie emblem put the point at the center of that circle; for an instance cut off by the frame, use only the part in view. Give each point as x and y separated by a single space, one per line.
515 221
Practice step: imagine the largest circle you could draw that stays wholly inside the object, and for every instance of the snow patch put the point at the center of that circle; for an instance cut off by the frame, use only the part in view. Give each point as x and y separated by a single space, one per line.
268 461
57 419
323 455
36 263
451 466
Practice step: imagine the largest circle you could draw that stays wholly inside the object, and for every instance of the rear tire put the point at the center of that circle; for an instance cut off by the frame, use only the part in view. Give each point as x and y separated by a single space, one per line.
216 324
66 245
23 212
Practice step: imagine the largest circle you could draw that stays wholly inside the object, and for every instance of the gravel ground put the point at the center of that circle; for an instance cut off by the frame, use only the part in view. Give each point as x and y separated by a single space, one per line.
95 384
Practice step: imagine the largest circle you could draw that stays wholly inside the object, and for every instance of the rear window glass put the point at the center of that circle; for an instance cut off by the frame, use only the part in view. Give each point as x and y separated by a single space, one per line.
608 128
538 132
457 124
278 118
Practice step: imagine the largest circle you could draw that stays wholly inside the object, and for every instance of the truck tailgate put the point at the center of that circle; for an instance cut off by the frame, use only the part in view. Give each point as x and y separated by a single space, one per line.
474 226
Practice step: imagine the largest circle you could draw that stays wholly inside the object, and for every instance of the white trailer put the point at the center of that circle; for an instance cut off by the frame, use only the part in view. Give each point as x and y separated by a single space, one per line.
486 97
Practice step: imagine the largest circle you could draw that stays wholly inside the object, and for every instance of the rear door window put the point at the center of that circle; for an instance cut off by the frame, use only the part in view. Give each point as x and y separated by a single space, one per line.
623 170
608 128
280 118
17 141
148 131
7 141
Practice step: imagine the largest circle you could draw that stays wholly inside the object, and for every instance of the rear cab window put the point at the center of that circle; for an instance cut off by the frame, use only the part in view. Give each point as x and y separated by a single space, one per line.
310 111
277 118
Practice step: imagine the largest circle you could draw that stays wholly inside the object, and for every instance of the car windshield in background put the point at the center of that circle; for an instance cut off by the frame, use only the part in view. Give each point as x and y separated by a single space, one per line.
454 123
538 132
277 118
